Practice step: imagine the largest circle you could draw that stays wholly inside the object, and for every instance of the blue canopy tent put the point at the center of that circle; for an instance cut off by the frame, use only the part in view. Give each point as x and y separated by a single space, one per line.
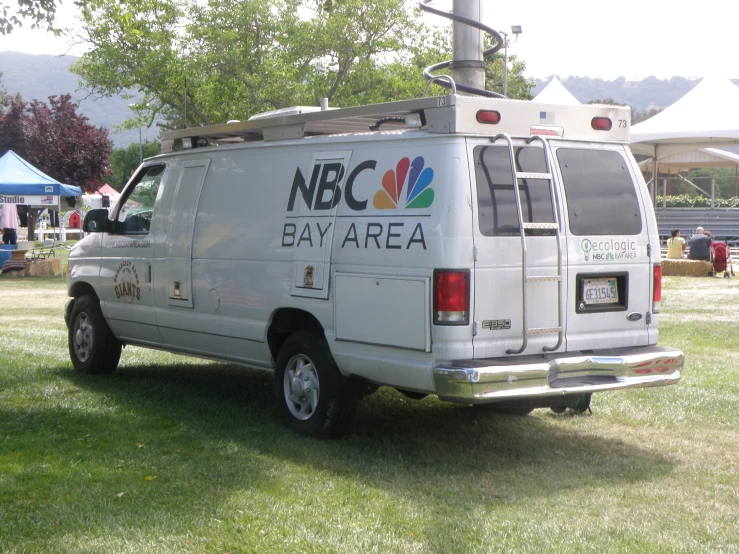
17 176
21 183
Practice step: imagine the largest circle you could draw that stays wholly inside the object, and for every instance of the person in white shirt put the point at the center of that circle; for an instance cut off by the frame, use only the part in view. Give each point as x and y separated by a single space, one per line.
10 222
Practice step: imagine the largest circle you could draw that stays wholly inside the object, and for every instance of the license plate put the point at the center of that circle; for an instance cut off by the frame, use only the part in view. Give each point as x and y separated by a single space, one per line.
600 291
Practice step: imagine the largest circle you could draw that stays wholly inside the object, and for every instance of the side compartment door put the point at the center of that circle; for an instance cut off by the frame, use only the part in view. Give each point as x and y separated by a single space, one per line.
126 287
314 224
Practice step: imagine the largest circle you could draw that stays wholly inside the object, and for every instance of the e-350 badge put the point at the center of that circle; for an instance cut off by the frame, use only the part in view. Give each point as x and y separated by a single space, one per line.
126 281
496 324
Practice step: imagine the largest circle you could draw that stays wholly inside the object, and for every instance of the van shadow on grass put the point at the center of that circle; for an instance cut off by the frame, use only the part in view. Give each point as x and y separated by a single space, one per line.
392 435
204 432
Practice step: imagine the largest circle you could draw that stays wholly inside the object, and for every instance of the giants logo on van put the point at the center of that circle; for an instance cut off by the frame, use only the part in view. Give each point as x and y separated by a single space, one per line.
126 281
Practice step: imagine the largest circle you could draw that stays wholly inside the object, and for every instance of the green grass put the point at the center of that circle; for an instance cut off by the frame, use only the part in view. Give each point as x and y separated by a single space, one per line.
172 454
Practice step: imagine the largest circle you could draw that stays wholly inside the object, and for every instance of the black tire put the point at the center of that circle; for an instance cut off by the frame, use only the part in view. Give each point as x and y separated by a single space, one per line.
313 397
92 345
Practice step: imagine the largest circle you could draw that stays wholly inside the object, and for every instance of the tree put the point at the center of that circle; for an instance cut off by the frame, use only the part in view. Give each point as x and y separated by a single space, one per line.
124 161
638 117
40 12
56 140
519 87
64 146
198 63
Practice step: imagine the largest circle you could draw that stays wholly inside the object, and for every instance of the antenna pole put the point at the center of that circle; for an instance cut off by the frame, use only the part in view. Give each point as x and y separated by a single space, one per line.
468 67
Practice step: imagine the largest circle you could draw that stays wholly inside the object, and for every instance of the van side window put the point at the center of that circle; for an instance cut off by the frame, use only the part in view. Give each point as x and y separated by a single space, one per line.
496 200
134 217
601 195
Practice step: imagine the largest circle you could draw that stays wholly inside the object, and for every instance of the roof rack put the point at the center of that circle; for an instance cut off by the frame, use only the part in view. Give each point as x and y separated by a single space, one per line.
294 126
438 114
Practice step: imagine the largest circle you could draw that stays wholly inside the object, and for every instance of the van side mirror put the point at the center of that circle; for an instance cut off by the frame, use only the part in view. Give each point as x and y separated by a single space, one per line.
96 221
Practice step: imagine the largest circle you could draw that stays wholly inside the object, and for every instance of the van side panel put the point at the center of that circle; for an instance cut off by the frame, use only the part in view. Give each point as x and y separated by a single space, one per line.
400 209
408 212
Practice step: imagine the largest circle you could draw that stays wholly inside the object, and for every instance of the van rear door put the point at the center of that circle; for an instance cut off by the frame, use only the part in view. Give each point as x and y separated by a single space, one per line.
609 274
505 322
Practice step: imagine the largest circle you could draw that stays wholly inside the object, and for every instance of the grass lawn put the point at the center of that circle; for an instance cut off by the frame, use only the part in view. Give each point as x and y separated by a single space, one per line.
172 454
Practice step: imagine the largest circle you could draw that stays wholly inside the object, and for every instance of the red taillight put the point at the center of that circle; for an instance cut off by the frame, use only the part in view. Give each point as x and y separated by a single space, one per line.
488 116
657 289
601 124
451 297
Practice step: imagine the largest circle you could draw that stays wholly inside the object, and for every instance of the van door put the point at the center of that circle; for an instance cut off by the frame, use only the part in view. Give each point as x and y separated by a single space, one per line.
178 261
126 289
314 224
518 293
609 274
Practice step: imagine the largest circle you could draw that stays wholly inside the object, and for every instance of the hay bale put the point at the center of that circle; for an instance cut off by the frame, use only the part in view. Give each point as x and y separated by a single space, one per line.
686 268
38 268
34 268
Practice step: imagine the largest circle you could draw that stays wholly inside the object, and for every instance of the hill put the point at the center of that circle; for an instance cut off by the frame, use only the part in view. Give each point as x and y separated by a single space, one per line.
640 95
38 77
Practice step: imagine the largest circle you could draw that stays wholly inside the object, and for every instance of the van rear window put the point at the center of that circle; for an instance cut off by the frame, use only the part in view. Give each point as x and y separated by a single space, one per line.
601 195
496 200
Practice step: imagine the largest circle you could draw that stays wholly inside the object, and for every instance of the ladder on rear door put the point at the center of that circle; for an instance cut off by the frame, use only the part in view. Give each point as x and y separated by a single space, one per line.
527 280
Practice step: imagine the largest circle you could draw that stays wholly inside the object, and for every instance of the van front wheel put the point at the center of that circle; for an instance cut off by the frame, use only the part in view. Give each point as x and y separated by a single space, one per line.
92 345
313 397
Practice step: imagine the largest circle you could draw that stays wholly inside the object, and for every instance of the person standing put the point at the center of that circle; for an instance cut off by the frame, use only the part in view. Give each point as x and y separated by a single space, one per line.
700 246
675 246
10 222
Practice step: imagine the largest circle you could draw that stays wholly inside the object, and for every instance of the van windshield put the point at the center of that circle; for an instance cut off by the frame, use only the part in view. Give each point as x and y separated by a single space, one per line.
601 195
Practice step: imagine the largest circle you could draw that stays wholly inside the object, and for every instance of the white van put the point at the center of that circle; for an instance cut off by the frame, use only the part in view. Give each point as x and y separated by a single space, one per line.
387 245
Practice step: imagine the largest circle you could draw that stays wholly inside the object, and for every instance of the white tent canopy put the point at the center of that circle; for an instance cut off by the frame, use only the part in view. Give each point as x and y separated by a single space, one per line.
556 93
684 161
705 116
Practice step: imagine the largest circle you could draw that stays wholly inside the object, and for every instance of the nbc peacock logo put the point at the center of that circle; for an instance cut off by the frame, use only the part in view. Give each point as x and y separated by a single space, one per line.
418 194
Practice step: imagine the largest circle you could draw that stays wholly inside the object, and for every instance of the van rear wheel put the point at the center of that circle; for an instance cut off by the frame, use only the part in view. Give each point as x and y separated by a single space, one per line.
93 347
313 398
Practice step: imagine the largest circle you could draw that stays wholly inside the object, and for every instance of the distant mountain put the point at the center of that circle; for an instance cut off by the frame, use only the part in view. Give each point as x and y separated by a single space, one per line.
640 95
38 77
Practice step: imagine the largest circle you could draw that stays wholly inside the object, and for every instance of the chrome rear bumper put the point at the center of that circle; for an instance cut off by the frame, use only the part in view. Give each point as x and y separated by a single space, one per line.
499 379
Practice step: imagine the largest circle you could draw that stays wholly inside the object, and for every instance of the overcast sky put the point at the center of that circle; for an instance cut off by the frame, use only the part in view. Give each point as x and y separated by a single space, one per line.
630 38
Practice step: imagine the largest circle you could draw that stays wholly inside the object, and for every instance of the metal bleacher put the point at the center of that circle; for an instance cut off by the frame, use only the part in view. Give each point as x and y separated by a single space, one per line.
723 223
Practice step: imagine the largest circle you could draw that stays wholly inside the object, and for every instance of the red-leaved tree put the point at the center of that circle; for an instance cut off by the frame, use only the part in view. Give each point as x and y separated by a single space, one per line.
57 140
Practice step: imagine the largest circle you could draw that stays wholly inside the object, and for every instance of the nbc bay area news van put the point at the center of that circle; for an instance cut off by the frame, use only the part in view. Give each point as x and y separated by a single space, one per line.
387 245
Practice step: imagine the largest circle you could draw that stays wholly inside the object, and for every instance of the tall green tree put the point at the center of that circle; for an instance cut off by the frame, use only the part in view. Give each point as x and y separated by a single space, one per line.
124 161
519 87
198 63
40 13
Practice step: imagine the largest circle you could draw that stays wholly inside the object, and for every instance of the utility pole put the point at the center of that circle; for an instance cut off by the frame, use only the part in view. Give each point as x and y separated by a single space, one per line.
468 67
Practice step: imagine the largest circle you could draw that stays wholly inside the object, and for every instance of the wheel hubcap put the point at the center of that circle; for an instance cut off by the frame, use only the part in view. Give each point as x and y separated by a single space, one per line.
301 387
82 337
